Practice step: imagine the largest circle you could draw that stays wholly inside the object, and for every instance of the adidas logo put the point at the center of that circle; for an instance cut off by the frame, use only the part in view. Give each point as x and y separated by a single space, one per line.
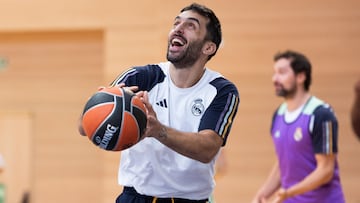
162 103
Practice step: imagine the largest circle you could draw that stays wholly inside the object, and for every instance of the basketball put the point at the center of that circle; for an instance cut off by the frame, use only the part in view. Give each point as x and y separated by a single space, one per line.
114 119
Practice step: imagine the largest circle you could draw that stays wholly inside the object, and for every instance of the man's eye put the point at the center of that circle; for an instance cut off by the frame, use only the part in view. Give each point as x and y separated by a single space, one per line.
191 26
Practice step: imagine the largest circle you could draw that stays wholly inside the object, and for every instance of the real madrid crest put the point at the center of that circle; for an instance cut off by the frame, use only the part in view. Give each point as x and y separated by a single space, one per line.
277 134
298 134
197 107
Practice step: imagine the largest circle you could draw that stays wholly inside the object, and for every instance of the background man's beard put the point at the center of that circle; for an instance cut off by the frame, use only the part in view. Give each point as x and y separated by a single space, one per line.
286 93
187 57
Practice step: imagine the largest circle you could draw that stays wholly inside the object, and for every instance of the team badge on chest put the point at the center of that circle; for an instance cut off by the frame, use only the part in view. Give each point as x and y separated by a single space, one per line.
197 108
277 134
298 134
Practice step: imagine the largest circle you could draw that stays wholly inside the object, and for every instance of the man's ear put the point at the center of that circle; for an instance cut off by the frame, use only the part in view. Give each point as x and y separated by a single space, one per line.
209 48
301 77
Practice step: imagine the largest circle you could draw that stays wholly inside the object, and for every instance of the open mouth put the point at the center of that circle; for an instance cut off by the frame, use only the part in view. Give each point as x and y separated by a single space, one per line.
177 41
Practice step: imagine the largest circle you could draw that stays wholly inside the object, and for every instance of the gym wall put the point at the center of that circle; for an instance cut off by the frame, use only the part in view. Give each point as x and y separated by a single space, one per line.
54 55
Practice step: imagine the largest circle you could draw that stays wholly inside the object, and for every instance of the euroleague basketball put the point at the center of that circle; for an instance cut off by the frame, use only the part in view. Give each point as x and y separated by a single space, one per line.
114 119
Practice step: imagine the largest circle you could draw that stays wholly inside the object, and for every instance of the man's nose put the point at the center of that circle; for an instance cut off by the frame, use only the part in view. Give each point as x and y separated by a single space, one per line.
179 28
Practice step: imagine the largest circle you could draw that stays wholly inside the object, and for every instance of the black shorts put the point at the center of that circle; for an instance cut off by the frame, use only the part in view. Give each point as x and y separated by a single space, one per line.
129 195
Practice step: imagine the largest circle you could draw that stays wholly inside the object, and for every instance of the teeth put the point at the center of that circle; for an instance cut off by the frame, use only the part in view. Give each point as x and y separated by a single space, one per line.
177 41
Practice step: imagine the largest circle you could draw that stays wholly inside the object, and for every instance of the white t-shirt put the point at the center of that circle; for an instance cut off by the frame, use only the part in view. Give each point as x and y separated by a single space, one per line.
154 169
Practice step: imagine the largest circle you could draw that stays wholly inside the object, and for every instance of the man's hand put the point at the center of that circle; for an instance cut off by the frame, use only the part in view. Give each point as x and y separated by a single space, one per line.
153 128
280 196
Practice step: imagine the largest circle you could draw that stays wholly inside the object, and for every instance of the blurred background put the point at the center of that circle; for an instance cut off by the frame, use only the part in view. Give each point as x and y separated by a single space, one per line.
54 55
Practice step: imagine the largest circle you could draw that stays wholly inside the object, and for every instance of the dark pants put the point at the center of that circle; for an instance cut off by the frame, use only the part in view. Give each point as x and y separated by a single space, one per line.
129 195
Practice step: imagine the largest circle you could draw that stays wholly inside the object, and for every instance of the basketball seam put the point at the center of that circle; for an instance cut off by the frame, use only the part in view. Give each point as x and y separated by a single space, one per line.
104 121
97 105
92 137
122 120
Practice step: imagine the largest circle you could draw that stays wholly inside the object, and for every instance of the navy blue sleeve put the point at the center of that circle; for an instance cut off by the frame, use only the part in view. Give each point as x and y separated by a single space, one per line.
145 77
325 131
222 110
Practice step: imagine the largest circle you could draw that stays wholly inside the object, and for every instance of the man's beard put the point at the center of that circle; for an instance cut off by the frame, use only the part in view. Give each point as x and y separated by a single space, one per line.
287 93
188 56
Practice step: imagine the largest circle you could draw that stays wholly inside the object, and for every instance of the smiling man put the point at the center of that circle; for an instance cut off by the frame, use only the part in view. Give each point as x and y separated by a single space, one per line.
190 111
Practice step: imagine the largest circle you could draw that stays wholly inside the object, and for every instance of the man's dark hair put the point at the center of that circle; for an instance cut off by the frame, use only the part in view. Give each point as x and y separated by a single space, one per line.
299 63
213 27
